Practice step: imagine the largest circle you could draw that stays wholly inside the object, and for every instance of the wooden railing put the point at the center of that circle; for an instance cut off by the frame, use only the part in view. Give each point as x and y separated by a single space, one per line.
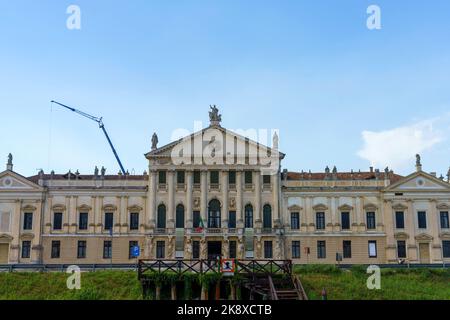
273 291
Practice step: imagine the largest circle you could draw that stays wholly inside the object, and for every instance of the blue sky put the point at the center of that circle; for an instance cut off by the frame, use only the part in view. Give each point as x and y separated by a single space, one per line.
339 93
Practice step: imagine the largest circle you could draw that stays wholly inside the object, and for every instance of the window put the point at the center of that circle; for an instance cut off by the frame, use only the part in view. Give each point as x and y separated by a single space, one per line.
400 220
56 250
180 177
267 217
83 221
233 249
371 222
248 177
268 254
347 249
232 220
232 177
373 249
26 249
266 179
214 214
195 249
320 220
109 220
446 248
81 251
160 250
444 220
295 220
321 250
161 221
214 177
196 177
107 249
28 221
345 220
162 177
179 222
134 221
196 219
422 219
131 246
57 221
295 249
249 216
401 249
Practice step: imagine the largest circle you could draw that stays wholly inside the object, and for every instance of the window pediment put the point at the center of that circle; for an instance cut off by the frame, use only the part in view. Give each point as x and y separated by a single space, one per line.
28 207
345 207
84 207
59 207
445 235
135 208
443 206
320 207
371 206
399 206
424 237
401 236
295 208
5 238
109 207
27 236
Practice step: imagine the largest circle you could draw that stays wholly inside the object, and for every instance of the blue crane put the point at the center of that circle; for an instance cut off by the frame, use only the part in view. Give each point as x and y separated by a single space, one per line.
101 126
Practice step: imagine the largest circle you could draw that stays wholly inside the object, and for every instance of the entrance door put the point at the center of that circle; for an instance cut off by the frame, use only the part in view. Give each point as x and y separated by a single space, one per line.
424 252
214 249
4 252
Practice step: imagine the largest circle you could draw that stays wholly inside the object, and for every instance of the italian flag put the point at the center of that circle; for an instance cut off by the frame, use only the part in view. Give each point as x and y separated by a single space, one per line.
201 226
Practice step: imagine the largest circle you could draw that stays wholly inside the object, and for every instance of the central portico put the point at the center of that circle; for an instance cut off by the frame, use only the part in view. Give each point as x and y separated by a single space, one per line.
214 193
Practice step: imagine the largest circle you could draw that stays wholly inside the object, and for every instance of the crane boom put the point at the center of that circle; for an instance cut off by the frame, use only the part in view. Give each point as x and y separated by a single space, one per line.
101 126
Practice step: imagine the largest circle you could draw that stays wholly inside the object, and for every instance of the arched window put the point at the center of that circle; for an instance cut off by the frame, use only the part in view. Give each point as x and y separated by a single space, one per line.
214 214
180 217
267 217
161 222
249 216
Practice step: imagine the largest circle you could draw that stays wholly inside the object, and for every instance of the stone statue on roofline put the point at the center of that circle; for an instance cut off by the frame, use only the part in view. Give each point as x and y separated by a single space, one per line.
154 141
214 117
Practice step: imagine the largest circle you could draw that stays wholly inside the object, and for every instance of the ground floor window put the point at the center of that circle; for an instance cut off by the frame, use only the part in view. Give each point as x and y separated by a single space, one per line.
195 249
347 249
160 249
295 249
131 246
446 248
401 249
56 249
268 250
26 249
373 249
321 250
107 249
81 250
233 250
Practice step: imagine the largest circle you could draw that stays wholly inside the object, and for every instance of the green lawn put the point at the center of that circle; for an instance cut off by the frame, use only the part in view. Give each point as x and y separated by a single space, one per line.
402 284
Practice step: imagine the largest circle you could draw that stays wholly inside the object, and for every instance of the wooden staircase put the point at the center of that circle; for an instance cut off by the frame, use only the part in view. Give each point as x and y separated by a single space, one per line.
286 288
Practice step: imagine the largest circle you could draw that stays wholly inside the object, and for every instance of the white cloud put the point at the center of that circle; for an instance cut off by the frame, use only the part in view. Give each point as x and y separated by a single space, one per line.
397 147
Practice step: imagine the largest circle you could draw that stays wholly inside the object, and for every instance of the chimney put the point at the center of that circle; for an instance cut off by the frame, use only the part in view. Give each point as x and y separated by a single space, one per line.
371 169
9 164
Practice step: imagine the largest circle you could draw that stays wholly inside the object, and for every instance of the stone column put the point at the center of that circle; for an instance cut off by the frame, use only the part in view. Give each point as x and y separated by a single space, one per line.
239 209
224 199
204 195
189 187
15 229
171 202
67 214
434 220
275 192
91 219
258 209
124 215
151 200
48 216
411 230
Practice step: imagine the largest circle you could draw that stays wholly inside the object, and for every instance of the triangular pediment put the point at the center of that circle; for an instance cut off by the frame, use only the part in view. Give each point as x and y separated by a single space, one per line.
11 181
420 181
218 144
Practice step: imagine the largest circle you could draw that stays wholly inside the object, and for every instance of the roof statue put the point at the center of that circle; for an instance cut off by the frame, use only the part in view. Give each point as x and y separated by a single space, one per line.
214 117
154 141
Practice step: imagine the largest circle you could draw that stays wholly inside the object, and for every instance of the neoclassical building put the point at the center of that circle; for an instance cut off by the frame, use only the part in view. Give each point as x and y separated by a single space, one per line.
217 193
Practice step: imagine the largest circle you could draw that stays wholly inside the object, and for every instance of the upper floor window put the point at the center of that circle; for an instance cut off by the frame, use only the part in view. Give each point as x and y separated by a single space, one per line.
345 220
373 249
400 220
28 221
214 214
109 220
214 177
320 220
180 177
248 216
295 220
26 249
232 219
248 177
162 179
161 219
232 177
444 220
83 221
371 221
196 177
422 219
267 217
196 219
134 221
179 221
401 249
57 220
266 179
